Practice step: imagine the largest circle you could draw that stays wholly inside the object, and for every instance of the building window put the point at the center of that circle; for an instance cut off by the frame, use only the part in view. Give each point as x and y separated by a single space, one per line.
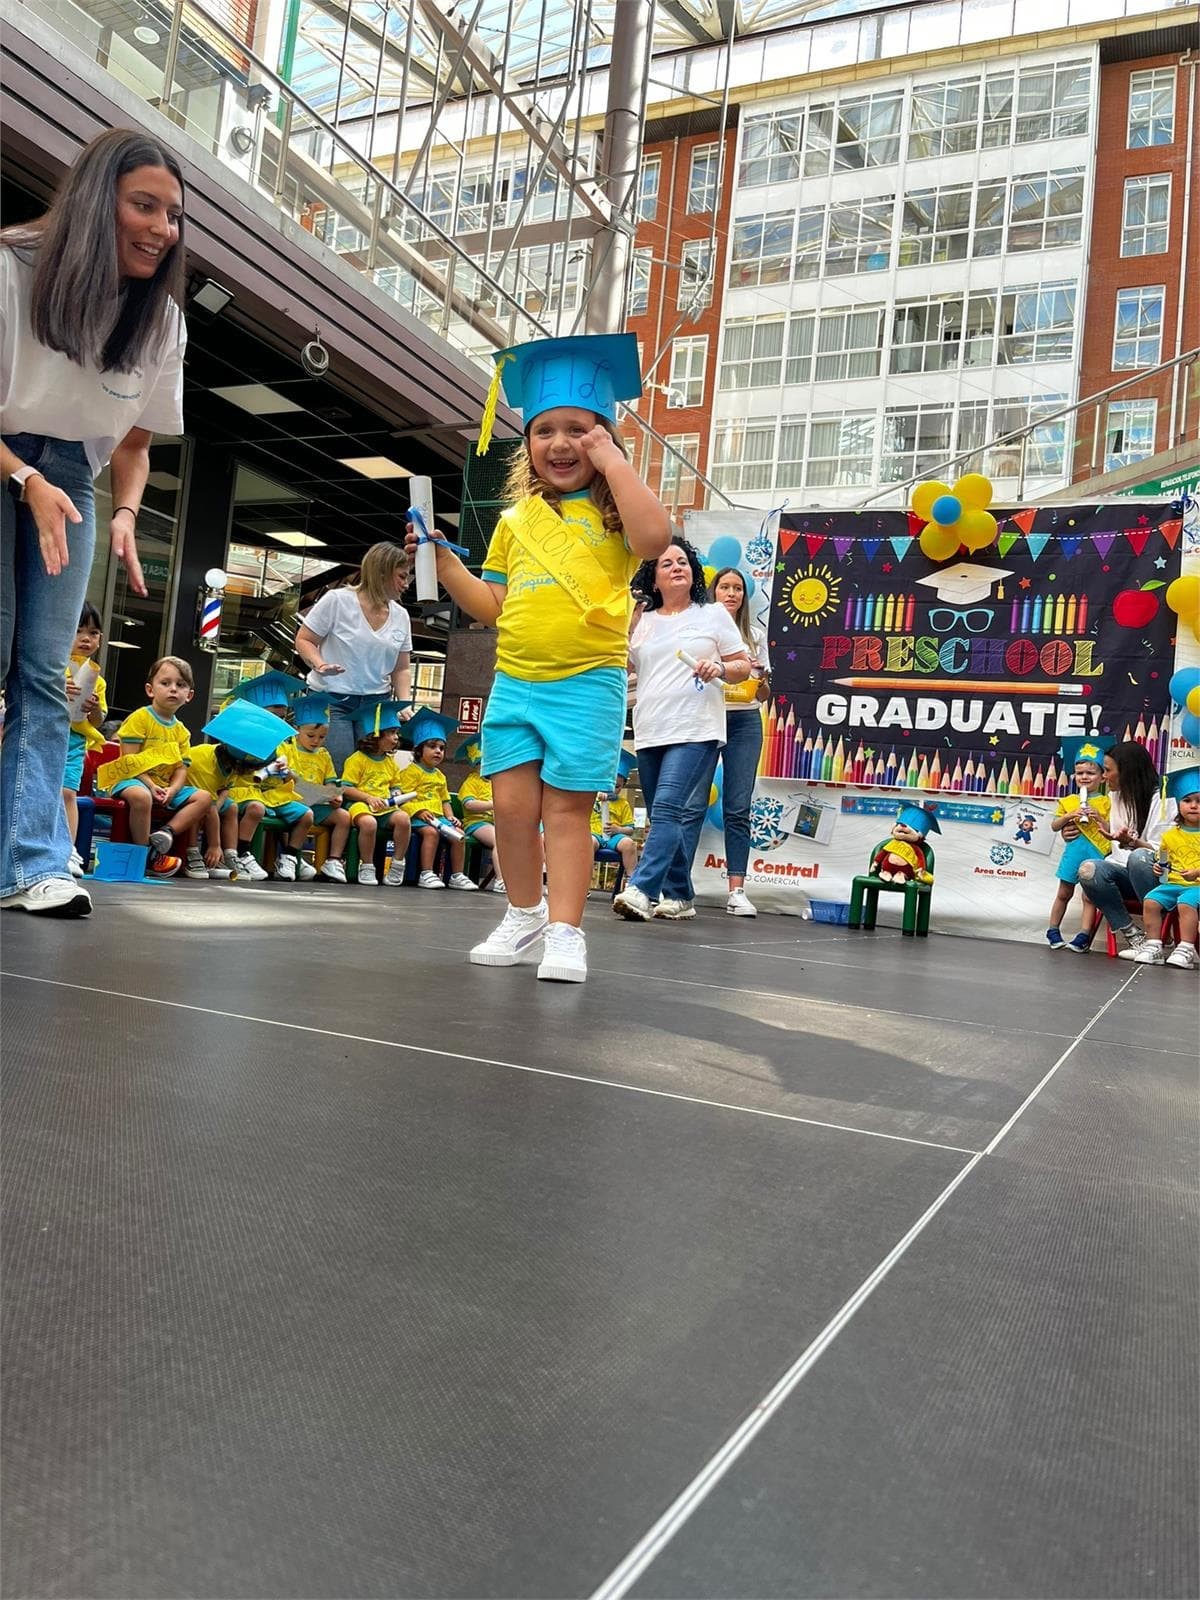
745 453
1041 455
798 368
695 274
752 355
996 129
1151 108
849 344
859 236
639 288
678 484
1146 222
991 201
1129 433
789 458
762 249
1045 210
1037 324
702 180
840 448
944 118
689 357
770 152
649 178
915 440
862 131
935 225
1137 332
1052 102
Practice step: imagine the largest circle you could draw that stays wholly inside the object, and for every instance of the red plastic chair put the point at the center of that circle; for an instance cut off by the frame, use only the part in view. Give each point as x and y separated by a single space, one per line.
1170 927
116 809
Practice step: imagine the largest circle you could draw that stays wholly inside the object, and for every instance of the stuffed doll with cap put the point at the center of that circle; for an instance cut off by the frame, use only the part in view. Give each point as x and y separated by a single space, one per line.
902 856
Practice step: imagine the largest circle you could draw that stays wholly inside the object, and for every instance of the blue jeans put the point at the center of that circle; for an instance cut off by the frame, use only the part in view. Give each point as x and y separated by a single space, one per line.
676 780
342 740
38 619
1109 885
739 760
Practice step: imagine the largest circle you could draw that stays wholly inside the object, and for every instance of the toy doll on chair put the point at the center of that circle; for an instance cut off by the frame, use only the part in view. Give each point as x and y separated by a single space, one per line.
902 856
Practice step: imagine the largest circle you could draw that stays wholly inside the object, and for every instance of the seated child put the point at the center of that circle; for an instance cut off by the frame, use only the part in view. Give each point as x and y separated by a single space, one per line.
244 737
430 809
1179 867
475 793
153 766
212 767
1083 814
88 704
375 783
264 790
306 755
612 818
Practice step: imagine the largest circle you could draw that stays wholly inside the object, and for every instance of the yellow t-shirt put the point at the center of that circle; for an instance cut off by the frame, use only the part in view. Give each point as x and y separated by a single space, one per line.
476 787
162 747
619 816
376 775
432 790
1181 847
314 766
205 770
542 634
1101 804
88 731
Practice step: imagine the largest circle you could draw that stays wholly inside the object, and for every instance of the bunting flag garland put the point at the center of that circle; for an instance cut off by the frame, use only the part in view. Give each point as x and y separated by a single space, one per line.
1170 531
1037 542
1068 544
843 547
814 541
1006 542
1023 519
1104 543
871 546
900 543
787 538
1137 539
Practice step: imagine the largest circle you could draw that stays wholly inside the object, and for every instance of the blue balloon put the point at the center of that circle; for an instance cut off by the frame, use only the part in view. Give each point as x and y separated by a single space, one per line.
725 551
1189 727
947 509
1182 684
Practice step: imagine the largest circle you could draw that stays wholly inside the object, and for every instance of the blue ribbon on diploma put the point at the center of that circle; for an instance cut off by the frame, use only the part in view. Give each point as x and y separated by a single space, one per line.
425 537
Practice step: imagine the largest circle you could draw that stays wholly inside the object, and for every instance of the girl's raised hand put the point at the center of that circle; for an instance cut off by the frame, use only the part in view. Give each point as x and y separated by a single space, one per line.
599 447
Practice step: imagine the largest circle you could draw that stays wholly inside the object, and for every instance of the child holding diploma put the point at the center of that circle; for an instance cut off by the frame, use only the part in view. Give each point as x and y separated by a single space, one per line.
555 586
1178 871
310 762
268 792
1082 815
475 793
375 784
430 809
612 818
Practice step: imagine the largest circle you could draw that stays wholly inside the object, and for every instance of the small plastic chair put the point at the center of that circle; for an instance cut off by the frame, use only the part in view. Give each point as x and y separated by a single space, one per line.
1170 928
866 889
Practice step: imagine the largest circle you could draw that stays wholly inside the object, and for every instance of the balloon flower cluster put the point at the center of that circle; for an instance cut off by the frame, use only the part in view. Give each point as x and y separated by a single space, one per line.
1183 598
1185 691
955 516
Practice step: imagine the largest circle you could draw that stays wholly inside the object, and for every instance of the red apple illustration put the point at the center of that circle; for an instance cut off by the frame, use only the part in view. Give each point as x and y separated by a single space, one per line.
1136 608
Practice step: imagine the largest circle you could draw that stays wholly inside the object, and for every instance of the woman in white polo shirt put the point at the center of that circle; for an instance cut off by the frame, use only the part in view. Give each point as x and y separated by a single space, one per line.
91 367
357 643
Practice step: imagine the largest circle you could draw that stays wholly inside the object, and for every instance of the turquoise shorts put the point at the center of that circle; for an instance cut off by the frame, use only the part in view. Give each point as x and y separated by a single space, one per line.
608 841
472 828
570 727
1170 895
73 771
1075 853
291 812
323 814
173 804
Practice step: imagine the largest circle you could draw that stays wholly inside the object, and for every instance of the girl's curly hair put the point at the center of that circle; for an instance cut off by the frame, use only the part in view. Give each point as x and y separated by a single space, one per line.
643 579
522 482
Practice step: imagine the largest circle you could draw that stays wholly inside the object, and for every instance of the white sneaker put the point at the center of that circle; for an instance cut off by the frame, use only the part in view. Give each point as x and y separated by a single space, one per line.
739 905
248 867
162 842
430 880
1135 942
195 867
1148 954
285 867
305 870
395 877
75 864
498 886
334 870
367 874
632 904
518 938
1183 955
565 960
459 880
51 897
675 910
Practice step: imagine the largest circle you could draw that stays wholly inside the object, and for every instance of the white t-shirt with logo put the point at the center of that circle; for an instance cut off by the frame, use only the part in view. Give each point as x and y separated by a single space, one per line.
348 640
669 707
43 391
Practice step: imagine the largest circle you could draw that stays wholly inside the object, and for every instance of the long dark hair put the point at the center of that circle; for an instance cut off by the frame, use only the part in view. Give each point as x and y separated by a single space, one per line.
643 579
742 618
76 279
1137 780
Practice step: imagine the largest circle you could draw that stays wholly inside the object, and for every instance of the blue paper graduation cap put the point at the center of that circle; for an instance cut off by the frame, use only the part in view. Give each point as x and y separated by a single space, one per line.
1184 782
592 371
1091 747
919 819
378 717
470 750
626 762
309 708
248 730
430 725
270 689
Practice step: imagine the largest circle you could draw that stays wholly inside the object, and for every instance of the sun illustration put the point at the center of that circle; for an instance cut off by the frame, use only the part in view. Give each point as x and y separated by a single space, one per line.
811 595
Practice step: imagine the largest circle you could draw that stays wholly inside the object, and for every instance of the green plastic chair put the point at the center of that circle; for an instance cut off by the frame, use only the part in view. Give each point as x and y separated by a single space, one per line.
864 899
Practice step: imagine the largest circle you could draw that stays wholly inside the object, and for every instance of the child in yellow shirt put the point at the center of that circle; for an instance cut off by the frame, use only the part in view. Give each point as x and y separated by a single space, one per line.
376 785
1178 872
432 814
245 736
87 713
475 794
1083 814
306 755
612 818
265 791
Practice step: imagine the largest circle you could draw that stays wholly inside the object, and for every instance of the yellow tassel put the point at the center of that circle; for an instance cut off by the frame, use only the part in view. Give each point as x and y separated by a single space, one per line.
488 421
378 714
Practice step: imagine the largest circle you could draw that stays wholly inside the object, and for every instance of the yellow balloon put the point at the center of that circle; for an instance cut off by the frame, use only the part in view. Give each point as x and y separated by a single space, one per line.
975 492
977 529
923 497
1193 701
1183 596
938 543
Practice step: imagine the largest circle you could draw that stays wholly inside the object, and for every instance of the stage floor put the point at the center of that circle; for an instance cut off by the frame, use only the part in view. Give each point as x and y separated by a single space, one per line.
775 1260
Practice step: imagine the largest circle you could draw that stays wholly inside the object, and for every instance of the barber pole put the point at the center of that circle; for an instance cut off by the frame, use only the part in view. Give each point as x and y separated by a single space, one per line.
210 619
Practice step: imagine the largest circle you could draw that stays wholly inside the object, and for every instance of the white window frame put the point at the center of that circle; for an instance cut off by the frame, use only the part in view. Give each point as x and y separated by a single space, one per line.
689 366
731 469
1127 438
771 150
850 462
696 259
649 187
947 135
1143 118
639 281
1032 232
747 271
702 197
1136 349
1145 238
1037 323
677 483
846 346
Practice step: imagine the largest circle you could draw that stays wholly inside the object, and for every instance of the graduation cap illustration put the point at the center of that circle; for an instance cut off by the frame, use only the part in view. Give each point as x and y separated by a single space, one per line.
965 583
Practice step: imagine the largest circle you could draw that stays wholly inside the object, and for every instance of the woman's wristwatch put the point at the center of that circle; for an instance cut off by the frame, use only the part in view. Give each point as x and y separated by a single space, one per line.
17 480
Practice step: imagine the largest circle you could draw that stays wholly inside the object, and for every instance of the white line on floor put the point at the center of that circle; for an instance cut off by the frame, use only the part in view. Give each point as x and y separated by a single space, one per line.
491 1061
655 1540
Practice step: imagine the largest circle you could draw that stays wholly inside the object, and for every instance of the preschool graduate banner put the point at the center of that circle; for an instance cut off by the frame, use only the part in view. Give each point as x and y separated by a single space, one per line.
965 677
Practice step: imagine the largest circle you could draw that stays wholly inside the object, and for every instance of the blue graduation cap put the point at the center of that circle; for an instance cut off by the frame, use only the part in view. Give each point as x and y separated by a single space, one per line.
626 762
248 730
1091 747
378 717
470 750
308 709
592 371
270 689
1183 782
430 725
920 819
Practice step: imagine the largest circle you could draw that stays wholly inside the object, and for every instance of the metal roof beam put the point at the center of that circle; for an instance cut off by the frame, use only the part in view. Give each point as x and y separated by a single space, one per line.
703 31
371 35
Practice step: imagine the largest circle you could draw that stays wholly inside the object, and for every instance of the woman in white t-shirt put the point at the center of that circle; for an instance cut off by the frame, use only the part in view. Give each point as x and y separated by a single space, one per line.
743 737
678 723
357 643
91 367
1137 819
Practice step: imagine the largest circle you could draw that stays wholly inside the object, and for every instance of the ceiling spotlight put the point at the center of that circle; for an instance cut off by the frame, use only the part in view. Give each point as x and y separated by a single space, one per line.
211 296
145 35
